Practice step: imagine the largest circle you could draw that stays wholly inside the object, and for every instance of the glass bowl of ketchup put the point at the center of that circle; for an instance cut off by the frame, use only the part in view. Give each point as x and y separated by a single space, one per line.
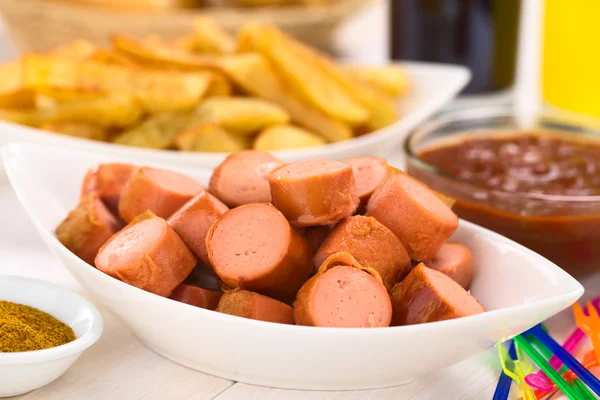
536 181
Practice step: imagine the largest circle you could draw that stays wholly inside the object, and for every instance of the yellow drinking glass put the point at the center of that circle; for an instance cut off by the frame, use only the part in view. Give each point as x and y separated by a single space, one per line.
571 60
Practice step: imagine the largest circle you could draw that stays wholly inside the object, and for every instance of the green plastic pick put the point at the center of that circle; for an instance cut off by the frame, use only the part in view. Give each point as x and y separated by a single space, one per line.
541 362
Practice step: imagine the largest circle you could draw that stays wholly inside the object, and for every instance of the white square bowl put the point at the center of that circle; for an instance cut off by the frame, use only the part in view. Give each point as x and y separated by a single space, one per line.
519 289
433 86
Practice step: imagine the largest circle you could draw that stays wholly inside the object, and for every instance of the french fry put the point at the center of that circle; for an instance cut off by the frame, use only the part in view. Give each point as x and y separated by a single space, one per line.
286 137
303 75
28 117
77 50
392 80
110 111
184 43
160 55
209 138
13 94
382 108
80 130
106 56
242 116
157 132
49 97
211 38
253 73
158 91
219 86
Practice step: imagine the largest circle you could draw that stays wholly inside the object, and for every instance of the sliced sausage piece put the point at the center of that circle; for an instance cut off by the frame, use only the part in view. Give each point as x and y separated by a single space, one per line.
427 295
87 228
455 260
421 221
242 178
343 294
369 172
254 247
314 192
245 304
157 190
196 296
371 244
447 200
315 235
108 180
194 219
148 255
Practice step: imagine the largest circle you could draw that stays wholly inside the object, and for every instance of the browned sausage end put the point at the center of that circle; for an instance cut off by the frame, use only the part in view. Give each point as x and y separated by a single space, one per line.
87 228
245 304
427 295
148 255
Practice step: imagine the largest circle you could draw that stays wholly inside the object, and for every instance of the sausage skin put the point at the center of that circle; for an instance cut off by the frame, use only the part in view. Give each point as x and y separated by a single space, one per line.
149 255
421 221
193 220
368 172
245 304
87 228
371 244
455 260
253 247
314 192
196 296
157 190
242 178
343 294
427 295
108 180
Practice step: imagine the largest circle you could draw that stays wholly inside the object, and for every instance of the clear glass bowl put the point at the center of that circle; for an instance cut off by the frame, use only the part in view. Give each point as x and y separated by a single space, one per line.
564 229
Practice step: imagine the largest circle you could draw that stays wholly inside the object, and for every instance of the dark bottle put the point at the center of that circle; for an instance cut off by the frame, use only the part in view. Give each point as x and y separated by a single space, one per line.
479 34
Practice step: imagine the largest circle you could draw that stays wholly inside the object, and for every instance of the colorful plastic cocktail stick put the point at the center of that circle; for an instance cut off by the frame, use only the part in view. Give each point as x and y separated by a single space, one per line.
540 380
541 362
585 392
517 369
586 376
590 324
589 362
504 382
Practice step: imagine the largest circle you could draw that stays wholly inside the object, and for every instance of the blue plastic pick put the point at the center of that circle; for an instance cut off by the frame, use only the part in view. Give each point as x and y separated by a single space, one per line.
582 373
505 381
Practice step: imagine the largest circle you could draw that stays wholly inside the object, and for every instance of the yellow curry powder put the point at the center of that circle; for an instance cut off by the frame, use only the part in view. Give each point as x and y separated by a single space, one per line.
24 328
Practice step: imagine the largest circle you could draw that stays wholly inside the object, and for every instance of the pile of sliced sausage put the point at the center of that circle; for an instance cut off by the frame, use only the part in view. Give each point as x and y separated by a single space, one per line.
315 242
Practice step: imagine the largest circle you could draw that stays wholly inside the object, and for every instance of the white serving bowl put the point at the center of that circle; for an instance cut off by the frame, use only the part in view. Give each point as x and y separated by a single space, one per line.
25 371
433 86
518 287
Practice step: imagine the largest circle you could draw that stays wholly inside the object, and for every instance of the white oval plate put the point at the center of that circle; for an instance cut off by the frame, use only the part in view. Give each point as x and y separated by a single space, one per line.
433 86
518 287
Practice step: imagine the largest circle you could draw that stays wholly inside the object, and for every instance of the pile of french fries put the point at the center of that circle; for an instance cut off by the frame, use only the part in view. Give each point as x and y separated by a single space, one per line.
206 92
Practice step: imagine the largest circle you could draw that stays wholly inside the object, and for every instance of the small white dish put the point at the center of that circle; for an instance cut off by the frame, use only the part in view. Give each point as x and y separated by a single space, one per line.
433 86
23 372
518 287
